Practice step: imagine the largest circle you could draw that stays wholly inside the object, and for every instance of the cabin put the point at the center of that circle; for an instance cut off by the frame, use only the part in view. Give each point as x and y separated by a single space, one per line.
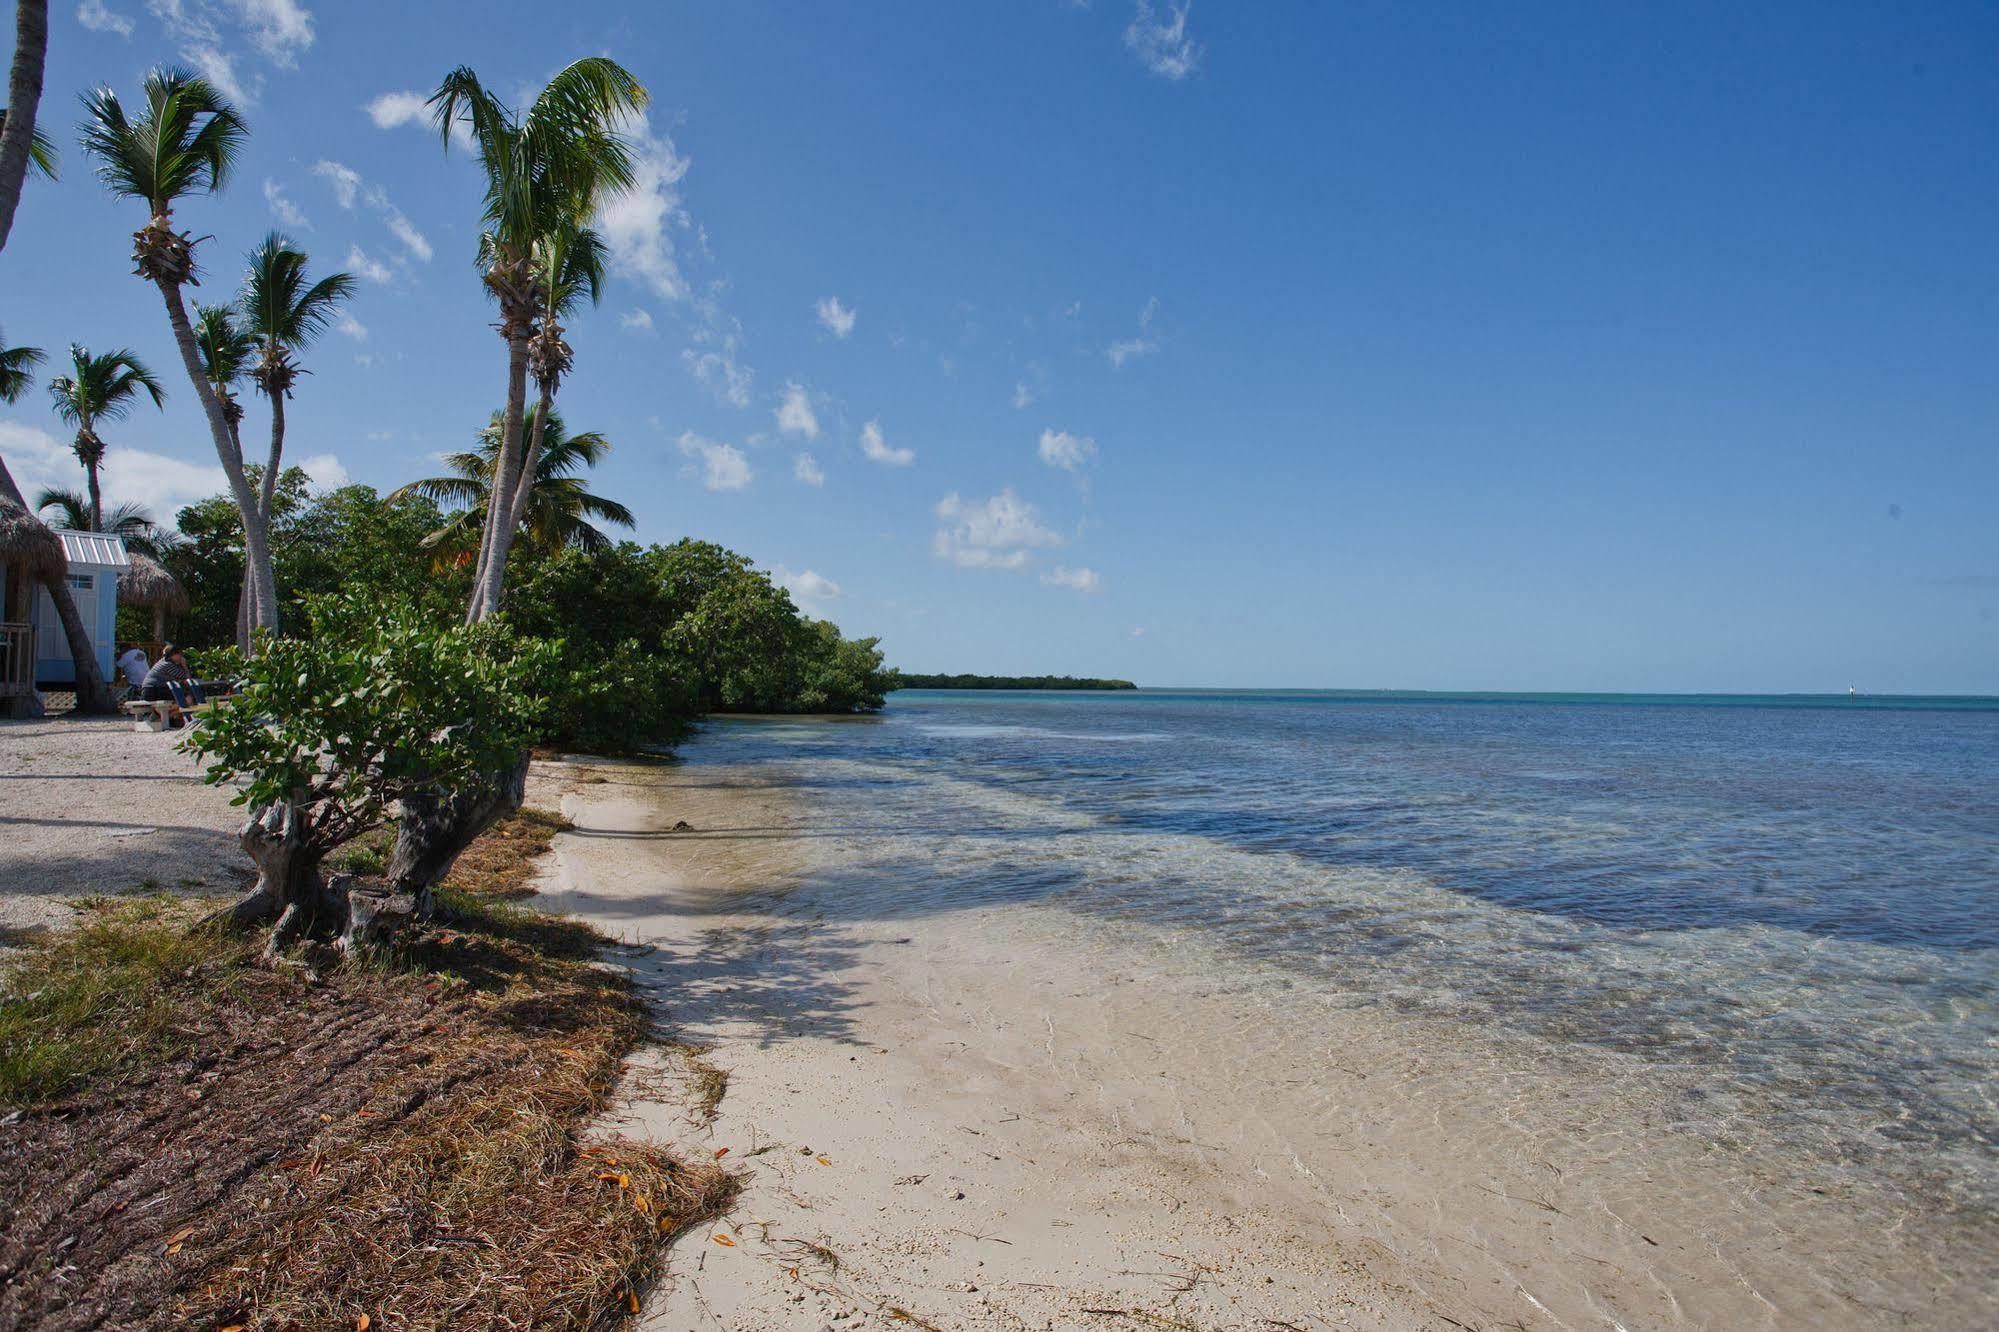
33 648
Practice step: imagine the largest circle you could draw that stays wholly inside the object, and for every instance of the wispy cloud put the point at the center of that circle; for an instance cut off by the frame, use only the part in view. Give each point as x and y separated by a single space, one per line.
876 449
722 466
1143 345
93 15
834 317
326 470
1161 42
795 415
344 180
719 371
994 533
636 224
163 483
1023 396
350 190
636 321
806 470
204 30
353 328
1077 580
806 585
361 266
282 208
397 110
1071 453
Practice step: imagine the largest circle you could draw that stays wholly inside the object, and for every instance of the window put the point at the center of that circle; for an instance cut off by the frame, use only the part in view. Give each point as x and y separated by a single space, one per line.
80 582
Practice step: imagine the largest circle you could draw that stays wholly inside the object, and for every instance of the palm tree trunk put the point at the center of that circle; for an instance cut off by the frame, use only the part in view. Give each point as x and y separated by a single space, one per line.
24 94
524 484
96 499
256 535
267 489
500 491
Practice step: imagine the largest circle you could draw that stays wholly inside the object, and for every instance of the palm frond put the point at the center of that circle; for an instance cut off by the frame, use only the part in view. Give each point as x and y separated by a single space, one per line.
42 156
187 139
17 370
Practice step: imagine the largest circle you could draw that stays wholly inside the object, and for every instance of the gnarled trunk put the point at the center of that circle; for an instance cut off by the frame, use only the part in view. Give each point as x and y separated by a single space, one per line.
24 95
298 901
436 827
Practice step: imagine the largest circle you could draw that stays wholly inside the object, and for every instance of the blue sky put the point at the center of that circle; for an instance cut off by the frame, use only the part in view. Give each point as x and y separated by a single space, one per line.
1439 346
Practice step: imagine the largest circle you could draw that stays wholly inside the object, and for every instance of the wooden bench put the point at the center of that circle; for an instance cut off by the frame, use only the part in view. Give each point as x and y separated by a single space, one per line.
150 715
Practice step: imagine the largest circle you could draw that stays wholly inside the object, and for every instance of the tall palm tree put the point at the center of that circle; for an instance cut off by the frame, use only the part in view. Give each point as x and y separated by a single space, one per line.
545 168
227 351
131 523
18 144
560 508
17 369
284 314
569 265
99 388
186 139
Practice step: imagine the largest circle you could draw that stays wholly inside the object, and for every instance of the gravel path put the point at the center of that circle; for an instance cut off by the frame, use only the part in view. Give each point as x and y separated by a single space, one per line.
92 806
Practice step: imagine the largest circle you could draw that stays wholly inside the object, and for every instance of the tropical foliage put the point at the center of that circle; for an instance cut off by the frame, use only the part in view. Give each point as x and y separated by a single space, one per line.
102 387
17 369
132 523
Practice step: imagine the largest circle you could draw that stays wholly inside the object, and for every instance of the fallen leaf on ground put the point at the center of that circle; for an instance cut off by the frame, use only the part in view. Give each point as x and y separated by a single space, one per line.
721 1152
632 1301
361 1324
725 1241
822 1160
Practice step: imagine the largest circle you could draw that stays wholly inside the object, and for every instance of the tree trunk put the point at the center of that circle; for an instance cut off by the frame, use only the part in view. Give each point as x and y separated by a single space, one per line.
500 490
24 95
256 535
436 827
96 498
92 695
266 493
524 487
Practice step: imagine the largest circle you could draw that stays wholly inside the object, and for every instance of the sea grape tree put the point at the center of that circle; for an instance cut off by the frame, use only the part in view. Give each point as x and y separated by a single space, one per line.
329 733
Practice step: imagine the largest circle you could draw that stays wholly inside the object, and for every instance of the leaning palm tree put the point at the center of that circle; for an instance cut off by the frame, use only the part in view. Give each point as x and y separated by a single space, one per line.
226 353
131 523
568 267
99 388
560 509
24 95
17 369
186 139
32 548
545 168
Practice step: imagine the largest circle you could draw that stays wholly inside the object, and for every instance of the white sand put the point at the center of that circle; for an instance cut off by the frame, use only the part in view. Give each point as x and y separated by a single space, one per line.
92 806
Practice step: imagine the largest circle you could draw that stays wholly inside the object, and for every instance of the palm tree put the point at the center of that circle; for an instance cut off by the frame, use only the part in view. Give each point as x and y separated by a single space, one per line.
50 568
226 353
17 369
99 388
284 314
560 508
545 169
131 523
24 94
185 140
568 266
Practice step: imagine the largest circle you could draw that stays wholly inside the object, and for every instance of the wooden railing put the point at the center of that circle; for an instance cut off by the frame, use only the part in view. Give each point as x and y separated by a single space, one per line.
17 659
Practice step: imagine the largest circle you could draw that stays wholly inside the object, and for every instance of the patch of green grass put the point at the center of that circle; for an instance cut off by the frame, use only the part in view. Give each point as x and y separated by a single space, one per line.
124 989
364 858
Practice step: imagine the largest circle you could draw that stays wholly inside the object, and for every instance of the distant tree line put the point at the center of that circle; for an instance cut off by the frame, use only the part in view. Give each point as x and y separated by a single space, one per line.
910 680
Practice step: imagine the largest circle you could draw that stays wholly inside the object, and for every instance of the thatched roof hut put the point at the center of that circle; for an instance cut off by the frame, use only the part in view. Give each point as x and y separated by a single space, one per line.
28 549
145 582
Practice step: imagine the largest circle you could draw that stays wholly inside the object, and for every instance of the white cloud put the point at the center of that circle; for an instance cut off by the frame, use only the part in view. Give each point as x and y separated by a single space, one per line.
360 265
282 208
636 321
1078 579
345 181
1161 43
1136 631
93 15
162 483
718 370
795 415
635 222
1023 396
723 466
876 449
219 68
326 471
836 318
394 109
805 468
806 585
401 227
353 328
1069 452
995 533
280 28
1142 345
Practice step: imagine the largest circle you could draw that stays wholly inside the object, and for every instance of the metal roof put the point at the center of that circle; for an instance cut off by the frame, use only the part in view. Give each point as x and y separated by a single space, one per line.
100 549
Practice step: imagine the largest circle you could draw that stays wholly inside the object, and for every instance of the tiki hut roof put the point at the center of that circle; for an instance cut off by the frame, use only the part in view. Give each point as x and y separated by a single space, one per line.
25 540
145 583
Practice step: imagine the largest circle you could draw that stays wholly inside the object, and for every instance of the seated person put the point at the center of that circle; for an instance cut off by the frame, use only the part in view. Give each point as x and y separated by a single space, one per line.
132 665
168 671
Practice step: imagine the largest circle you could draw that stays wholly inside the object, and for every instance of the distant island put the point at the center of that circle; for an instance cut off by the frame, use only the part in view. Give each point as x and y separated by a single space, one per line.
906 680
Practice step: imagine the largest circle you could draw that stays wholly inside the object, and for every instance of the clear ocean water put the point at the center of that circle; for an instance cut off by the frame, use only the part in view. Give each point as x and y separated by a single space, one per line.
1795 898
